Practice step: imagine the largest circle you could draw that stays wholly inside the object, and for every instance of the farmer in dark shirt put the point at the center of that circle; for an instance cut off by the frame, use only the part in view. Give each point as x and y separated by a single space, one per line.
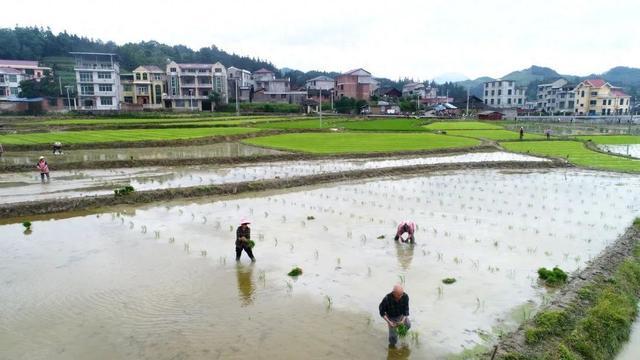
243 235
394 309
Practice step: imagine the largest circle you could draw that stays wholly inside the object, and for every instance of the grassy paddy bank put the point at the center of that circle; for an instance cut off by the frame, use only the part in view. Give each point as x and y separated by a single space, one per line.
576 153
334 143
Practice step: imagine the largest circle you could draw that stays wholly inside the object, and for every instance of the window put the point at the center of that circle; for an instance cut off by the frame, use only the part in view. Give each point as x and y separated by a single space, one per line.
499 92
158 94
105 88
105 100
1 78
137 76
180 103
486 93
86 76
491 101
157 77
128 99
203 71
621 101
218 70
127 87
142 90
104 75
561 104
594 93
508 100
485 101
86 89
609 101
13 78
604 102
498 101
14 91
509 92
493 92
582 93
273 96
172 70
145 76
592 102
283 96
519 101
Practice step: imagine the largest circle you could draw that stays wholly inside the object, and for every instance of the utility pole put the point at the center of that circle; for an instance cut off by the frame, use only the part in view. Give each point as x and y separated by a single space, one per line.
60 84
467 113
320 108
237 95
68 97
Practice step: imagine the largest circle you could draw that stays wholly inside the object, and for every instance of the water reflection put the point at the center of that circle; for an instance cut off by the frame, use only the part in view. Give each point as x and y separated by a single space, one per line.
404 253
401 352
246 286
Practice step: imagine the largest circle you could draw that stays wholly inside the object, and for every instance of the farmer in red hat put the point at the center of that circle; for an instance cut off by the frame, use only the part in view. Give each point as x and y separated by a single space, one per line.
243 240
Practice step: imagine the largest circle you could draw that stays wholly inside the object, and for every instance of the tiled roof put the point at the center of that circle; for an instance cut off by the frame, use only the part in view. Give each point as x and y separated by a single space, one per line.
6 70
321 78
618 92
595 82
9 63
152 68
263 71
199 66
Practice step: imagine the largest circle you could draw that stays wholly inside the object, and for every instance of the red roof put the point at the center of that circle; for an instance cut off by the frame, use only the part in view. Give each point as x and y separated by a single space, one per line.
618 92
597 83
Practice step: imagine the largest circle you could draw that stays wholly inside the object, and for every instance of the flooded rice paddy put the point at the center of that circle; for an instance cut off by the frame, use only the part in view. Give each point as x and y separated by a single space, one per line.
631 350
632 150
160 281
147 153
20 187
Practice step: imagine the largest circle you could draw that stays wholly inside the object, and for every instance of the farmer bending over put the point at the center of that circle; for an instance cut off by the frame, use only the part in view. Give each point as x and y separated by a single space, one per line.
408 227
44 168
394 309
243 235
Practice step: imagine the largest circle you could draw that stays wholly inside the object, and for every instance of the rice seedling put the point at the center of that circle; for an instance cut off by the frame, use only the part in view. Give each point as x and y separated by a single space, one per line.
186 247
144 229
329 302
401 278
553 277
156 234
448 281
262 276
27 225
296 271
310 218
172 240
316 254
289 286
203 253
402 330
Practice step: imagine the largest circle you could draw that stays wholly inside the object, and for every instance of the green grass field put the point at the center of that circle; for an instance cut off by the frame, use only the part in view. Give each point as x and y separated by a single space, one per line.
101 136
164 121
340 143
462 125
383 125
611 139
575 152
493 134
299 124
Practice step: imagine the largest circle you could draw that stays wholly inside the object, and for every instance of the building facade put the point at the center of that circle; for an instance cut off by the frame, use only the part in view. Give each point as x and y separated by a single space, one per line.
357 84
320 83
598 97
556 97
10 82
418 89
189 86
503 94
97 81
240 81
148 86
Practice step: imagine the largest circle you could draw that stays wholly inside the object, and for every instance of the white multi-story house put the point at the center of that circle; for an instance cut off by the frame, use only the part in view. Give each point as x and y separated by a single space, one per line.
503 94
556 97
189 86
10 82
320 83
98 80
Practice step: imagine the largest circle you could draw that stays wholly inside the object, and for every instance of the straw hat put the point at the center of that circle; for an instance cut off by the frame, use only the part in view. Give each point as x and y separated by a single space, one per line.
245 221
41 157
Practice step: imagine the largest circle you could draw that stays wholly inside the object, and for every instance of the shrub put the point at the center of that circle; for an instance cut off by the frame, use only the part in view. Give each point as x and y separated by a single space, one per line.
546 323
552 277
124 191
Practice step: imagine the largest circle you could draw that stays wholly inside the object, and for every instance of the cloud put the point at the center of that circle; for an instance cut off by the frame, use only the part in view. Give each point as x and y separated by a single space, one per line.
413 38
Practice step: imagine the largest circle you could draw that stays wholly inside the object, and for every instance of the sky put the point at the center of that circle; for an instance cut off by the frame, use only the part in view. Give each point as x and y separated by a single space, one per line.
419 39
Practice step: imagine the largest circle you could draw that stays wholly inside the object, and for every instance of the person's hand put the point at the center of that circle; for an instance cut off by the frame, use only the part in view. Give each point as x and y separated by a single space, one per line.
392 324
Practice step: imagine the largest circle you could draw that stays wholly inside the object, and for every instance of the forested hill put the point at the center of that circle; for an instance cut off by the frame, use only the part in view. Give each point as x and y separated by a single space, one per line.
31 43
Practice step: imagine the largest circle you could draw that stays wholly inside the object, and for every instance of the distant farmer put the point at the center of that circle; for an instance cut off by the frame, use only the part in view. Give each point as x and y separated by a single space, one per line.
547 132
408 227
521 132
44 168
243 235
394 309
57 148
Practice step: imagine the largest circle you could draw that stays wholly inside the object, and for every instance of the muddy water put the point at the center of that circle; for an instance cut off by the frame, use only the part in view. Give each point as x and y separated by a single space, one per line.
629 150
631 351
160 281
573 128
18 187
174 152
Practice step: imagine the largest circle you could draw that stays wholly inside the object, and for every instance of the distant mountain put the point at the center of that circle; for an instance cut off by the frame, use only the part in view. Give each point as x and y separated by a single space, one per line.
450 77
626 77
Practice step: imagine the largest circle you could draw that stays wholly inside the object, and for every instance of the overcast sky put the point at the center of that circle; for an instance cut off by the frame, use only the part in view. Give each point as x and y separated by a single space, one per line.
414 38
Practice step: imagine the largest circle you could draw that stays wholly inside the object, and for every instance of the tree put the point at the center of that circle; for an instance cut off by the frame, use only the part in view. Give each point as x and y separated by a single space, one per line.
46 87
215 98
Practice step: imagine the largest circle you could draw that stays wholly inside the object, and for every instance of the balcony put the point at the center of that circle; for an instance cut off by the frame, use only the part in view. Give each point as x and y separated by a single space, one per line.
94 66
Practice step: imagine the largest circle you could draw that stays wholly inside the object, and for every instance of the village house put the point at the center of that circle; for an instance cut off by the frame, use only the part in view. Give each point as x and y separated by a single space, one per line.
10 82
598 97
148 86
555 97
270 89
190 86
357 84
97 81
503 94
418 89
240 83
320 83
28 68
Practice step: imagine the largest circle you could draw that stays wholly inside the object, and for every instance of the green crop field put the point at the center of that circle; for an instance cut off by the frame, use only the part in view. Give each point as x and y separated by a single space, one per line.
334 143
383 125
166 120
493 134
462 125
575 152
101 136
611 139
300 124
